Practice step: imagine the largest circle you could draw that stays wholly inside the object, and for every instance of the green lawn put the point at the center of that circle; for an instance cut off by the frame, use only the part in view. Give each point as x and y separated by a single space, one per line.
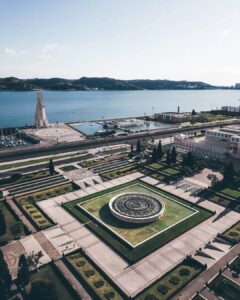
234 193
49 274
157 166
134 233
68 168
99 285
131 253
11 221
173 282
171 171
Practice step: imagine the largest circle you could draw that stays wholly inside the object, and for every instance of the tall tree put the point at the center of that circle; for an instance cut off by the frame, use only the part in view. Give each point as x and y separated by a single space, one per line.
51 167
168 157
3 227
23 274
173 156
159 150
190 160
131 148
154 154
43 290
138 148
5 277
228 174
16 229
194 112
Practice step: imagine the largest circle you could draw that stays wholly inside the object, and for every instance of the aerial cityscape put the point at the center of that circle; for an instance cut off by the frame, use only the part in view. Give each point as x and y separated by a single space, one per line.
115 182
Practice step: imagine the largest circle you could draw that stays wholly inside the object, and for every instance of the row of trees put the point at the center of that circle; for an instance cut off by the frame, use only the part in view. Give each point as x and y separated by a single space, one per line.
157 154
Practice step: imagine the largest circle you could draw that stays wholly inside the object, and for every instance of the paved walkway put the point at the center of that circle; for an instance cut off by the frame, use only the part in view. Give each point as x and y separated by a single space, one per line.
47 246
199 283
20 215
72 280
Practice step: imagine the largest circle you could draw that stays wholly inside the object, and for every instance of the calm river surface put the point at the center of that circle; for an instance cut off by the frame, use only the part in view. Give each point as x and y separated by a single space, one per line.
18 108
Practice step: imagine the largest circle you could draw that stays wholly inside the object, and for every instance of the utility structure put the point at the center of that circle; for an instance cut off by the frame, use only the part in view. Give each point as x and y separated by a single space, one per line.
40 115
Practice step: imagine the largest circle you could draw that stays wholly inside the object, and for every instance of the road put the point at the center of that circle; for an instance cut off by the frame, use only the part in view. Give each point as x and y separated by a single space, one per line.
56 163
39 150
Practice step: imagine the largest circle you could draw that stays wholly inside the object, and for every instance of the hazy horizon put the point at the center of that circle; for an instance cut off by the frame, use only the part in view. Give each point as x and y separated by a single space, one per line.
138 39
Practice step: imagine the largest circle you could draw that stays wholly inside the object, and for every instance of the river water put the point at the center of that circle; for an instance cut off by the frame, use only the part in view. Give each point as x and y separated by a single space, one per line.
18 108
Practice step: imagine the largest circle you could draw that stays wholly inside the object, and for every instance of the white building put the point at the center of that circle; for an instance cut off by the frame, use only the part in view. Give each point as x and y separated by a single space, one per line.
217 143
231 108
40 115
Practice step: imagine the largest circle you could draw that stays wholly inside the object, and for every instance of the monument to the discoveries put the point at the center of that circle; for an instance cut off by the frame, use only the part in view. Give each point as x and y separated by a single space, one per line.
40 115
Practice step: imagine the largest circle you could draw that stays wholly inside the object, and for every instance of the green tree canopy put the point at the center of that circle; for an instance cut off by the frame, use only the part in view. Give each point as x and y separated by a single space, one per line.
168 157
23 275
159 150
43 290
173 156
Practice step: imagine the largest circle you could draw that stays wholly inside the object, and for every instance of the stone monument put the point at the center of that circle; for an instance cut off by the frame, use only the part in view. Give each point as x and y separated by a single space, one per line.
40 115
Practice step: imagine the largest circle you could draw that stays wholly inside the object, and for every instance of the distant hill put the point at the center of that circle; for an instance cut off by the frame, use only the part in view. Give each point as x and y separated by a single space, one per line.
96 83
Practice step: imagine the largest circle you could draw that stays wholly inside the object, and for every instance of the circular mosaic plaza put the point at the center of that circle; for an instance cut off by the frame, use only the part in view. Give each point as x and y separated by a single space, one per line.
135 207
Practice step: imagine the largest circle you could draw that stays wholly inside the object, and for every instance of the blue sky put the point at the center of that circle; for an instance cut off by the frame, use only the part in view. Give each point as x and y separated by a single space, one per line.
127 39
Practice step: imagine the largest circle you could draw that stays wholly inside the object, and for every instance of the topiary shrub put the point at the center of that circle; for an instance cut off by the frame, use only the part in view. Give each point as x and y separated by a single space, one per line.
89 273
80 263
109 295
98 283
184 272
42 222
174 280
163 289
233 233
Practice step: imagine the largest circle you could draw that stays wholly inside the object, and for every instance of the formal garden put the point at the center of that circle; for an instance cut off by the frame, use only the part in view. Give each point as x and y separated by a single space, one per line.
100 161
49 282
225 288
168 285
233 234
134 241
96 282
33 213
225 192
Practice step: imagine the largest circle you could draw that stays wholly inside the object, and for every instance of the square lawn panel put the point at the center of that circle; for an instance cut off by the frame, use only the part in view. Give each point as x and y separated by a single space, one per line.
130 240
136 233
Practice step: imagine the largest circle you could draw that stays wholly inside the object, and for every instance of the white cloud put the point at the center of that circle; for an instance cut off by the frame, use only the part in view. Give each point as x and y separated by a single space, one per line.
8 51
226 32
51 49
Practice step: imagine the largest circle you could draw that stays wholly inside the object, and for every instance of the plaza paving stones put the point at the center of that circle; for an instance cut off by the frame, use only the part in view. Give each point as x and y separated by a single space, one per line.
109 261
149 270
12 252
31 245
131 282
26 246
133 279
60 240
